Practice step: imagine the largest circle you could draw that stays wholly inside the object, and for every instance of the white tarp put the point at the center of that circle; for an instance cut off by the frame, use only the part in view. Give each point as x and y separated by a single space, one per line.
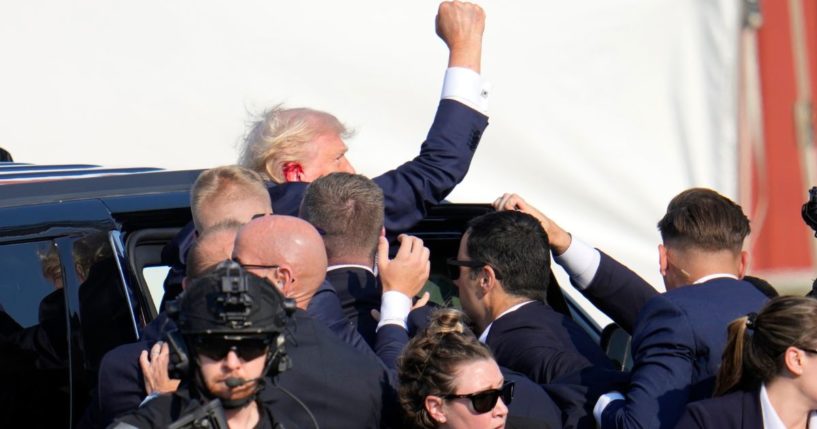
601 110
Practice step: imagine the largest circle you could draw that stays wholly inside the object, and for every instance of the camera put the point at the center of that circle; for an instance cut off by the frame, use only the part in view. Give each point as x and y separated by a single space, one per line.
809 210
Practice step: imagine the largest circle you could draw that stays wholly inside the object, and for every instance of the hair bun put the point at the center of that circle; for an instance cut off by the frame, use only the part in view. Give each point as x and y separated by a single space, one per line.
447 321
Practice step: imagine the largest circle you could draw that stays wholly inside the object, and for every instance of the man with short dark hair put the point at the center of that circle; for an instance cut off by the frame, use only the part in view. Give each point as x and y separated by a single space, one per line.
348 209
678 336
502 278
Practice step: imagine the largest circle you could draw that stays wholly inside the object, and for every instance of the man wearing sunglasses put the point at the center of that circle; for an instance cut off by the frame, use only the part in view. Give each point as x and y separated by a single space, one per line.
502 273
231 325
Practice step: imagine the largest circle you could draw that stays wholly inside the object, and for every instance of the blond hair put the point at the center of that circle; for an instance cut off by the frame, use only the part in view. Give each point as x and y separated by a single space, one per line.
283 135
227 184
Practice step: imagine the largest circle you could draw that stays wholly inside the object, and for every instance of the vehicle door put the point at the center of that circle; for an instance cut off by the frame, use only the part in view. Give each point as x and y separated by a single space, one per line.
63 305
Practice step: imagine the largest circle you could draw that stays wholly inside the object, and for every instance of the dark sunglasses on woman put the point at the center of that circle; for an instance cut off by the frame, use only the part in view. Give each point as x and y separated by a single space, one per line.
485 401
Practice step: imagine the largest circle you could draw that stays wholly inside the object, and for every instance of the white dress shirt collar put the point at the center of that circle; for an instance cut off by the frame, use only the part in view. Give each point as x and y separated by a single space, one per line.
714 276
337 267
483 337
770 418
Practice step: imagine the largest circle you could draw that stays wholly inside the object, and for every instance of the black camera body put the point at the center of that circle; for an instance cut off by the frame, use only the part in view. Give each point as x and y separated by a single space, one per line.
809 210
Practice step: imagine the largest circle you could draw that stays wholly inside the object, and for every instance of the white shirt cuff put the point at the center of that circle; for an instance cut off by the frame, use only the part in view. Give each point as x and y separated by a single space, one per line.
603 402
394 309
580 261
466 86
148 398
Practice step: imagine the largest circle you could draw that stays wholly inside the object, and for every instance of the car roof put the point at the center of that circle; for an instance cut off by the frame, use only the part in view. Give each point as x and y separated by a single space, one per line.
22 184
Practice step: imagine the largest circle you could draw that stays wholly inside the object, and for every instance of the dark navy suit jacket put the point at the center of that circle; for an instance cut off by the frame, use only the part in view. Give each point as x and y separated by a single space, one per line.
342 387
537 341
121 385
677 345
736 410
359 292
325 306
618 292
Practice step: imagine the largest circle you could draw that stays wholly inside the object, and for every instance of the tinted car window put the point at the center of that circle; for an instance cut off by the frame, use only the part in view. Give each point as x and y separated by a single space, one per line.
34 363
99 309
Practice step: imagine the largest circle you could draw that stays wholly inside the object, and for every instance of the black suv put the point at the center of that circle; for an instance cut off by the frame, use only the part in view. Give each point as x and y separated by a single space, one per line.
74 254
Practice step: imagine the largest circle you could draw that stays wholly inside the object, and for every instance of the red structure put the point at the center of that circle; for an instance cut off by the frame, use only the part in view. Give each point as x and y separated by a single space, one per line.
778 154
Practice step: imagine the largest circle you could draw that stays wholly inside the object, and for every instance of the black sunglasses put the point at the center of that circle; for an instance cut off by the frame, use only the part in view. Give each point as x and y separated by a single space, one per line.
454 265
485 401
217 348
255 266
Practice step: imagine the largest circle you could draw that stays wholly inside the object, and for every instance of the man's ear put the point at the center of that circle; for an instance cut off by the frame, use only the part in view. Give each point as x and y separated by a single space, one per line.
743 264
663 262
184 282
283 279
382 231
487 279
434 407
293 171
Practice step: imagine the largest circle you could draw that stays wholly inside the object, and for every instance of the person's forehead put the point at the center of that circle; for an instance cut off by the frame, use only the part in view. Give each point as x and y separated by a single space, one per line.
330 143
477 375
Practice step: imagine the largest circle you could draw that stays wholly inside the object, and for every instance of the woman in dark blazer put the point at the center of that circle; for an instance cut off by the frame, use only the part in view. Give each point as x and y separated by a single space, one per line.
768 374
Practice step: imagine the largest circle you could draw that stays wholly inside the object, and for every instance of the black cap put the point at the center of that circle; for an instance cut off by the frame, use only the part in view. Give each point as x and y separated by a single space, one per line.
229 300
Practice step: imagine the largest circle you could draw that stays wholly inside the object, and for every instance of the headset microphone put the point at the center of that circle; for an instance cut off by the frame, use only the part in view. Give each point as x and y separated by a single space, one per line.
233 382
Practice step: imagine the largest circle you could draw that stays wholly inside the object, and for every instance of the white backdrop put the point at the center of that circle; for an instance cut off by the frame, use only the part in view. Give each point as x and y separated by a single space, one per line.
601 110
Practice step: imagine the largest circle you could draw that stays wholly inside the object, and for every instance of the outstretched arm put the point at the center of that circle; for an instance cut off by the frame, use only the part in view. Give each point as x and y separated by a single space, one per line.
461 118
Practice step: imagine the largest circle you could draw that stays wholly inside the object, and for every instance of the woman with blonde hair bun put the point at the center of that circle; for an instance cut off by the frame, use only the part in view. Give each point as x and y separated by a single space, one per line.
768 374
448 379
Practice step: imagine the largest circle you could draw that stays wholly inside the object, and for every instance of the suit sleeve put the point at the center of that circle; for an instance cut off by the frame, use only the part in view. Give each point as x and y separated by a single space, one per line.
692 418
543 364
618 292
121 386
443 161
389 343
664 353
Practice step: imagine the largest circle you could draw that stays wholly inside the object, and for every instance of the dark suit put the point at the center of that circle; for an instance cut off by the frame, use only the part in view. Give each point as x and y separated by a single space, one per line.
121 385
342 387
359 293
325 307
532 406
677 345
537 341
618 292
553 351
736 410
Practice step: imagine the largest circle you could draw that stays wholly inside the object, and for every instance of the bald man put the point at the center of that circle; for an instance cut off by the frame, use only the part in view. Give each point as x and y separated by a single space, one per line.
288 252
347 381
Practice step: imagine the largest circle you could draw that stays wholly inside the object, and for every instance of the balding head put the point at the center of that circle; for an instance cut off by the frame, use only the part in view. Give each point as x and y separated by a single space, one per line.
290 243
212 246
